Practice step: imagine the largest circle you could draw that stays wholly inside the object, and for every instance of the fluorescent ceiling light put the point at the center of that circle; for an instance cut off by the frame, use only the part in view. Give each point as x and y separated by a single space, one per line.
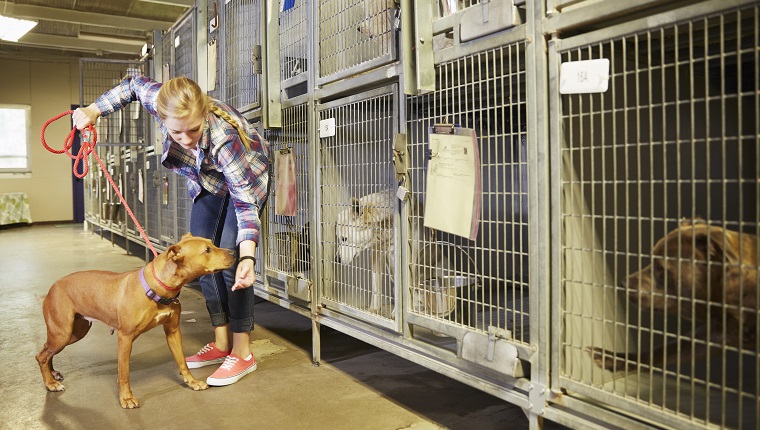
11 28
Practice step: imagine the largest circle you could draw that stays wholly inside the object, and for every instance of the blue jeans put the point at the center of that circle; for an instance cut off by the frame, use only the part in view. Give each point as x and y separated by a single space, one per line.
214 218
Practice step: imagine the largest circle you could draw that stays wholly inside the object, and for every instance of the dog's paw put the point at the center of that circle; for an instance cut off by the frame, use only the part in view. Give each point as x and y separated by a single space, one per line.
609 360
129 402
54 386
196 385
57 375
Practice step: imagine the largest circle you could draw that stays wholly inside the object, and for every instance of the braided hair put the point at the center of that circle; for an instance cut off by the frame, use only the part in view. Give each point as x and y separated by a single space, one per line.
182 98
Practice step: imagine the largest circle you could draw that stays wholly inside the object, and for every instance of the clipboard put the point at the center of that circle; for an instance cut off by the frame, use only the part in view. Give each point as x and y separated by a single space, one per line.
454 183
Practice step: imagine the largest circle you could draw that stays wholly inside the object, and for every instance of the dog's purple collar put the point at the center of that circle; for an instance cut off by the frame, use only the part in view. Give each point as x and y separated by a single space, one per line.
152 294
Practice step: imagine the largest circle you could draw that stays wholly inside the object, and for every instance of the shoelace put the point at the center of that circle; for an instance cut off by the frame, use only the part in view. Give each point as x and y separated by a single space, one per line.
229 362
206 348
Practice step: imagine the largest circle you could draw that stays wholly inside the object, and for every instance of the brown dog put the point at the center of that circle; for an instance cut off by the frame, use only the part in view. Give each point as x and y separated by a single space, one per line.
712 273
131 303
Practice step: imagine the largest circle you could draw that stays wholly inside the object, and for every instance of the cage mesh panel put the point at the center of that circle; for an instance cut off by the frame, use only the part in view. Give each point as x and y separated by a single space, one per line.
184 48
184 65
293 42
213 36
242 21
126 126
289 236
352 33
168 201
674 138
152 195
485 92
167 47
356 163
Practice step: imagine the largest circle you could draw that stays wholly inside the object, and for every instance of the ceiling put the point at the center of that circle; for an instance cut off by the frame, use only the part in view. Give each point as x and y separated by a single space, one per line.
113 29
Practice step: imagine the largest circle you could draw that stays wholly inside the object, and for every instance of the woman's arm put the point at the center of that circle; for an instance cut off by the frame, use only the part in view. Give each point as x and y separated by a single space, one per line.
131 88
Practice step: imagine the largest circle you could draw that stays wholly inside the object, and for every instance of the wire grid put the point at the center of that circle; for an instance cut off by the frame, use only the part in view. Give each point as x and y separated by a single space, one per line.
294 55
134 159
92 197
355 163
675 137
213 33
485 92
184 47
353 33
167 193
288 249
152 195
242 21
167 59
126 126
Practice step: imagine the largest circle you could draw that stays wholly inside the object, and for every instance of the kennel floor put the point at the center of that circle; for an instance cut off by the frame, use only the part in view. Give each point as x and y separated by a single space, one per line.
356 385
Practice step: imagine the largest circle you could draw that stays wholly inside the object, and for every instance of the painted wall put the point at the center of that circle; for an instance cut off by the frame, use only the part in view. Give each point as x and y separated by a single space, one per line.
49 88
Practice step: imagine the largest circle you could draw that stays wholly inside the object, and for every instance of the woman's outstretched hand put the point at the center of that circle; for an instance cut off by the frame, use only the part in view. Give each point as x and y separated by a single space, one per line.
85 116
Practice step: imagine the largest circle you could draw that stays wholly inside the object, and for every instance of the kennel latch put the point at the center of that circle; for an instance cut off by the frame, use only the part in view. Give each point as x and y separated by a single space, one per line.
400 156
493 334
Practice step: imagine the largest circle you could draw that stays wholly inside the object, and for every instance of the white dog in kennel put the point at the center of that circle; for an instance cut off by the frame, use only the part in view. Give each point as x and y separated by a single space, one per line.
368 225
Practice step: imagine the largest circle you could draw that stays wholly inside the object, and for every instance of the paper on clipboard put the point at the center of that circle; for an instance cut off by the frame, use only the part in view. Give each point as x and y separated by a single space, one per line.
453 183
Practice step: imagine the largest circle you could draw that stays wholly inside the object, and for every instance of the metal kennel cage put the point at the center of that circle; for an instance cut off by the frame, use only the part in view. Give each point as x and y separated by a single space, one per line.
355 162
239 22
288 259
486 92
674 138
127 126
355 37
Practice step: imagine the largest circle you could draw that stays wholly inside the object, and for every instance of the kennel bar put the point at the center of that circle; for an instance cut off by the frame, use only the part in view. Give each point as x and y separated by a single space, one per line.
240 22
185 64
295 52
355 162
287 258
184 44
354 37
564 15
675 136
126 126
487 92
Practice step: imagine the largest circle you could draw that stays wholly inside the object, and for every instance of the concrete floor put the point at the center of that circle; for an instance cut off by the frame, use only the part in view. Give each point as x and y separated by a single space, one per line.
356 387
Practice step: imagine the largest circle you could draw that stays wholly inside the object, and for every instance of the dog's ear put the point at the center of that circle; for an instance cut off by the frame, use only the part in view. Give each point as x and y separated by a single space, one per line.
174 253
718 244
725 244
374 215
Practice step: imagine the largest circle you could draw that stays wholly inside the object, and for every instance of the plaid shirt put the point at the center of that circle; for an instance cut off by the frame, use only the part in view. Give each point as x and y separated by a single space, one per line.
226 165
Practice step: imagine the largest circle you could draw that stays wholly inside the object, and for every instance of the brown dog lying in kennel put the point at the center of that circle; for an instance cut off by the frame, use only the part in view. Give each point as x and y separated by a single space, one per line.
130 302
712 273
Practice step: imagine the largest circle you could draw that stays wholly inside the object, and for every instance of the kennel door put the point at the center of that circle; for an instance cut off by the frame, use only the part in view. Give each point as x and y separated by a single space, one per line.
358 207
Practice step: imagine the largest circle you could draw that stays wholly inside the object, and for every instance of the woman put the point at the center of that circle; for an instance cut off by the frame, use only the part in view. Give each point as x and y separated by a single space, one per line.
226 164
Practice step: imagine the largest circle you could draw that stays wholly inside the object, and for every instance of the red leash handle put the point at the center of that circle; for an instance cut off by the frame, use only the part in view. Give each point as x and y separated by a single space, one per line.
85 150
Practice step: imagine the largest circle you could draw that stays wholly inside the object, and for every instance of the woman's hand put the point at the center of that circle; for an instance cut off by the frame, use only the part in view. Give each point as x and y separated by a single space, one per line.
85 116
245 276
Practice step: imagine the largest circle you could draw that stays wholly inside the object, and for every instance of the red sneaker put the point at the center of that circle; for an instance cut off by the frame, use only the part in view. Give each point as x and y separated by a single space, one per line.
232 370
208 355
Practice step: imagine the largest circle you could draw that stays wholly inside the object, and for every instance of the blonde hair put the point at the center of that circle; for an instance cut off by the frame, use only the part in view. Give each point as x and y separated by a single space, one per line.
183 98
